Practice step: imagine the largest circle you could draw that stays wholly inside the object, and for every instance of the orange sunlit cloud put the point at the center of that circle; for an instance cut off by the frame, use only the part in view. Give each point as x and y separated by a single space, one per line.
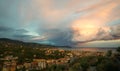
63 22
88 27
84 30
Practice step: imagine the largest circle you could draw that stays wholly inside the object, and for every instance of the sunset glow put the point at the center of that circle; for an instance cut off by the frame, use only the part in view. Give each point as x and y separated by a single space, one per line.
61 22
84 30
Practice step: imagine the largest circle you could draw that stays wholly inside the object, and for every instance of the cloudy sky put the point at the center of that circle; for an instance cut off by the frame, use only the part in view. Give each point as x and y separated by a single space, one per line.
80 23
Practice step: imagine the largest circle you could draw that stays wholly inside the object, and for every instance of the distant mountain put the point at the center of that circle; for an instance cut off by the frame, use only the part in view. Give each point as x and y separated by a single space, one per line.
17 43
10 40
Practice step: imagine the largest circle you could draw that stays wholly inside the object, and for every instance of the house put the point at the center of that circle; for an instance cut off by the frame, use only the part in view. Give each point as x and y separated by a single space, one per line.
41 63
9 63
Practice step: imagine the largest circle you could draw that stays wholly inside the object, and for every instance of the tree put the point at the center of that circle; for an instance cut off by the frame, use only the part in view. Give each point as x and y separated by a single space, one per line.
109 53
118 49
107 65
75 67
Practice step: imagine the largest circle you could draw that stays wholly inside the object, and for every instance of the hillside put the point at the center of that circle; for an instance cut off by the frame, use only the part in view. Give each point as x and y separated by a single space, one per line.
5 42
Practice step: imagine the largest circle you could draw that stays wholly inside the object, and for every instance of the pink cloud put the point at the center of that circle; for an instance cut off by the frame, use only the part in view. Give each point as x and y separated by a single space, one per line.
88 27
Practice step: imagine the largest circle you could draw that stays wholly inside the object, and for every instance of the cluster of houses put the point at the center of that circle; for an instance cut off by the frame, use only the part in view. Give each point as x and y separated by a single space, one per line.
10 63
87 53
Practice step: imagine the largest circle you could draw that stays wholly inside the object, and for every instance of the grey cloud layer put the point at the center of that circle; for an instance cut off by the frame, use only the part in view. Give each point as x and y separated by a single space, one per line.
7 32
50 20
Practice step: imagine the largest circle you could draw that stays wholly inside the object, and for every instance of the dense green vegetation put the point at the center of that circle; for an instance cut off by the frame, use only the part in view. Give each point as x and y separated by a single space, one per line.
118 49
87 63
110 62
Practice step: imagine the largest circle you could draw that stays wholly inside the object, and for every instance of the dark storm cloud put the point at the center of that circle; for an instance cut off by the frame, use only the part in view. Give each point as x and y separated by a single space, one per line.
20 34
58 36
8 32
61 37
5 29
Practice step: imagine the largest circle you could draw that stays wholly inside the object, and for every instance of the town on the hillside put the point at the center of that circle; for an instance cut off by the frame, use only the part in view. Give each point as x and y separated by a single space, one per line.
25 57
